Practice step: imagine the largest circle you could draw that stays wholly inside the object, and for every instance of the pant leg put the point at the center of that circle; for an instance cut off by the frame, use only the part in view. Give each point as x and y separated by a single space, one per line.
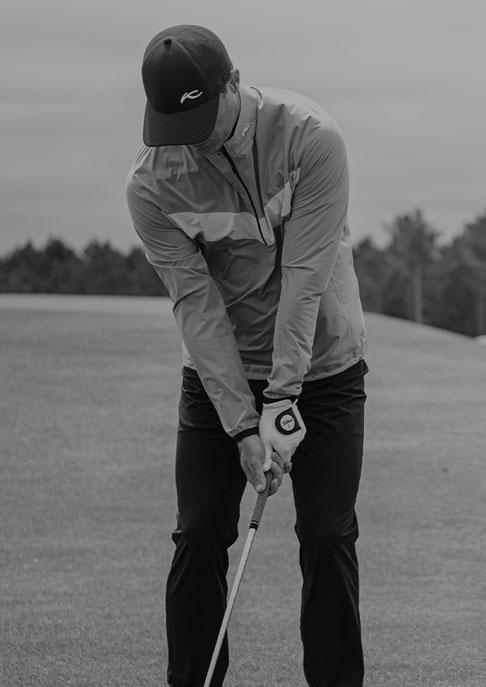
210 484
325 479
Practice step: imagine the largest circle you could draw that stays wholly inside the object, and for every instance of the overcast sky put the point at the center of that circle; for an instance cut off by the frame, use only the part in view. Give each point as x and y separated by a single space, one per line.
405 79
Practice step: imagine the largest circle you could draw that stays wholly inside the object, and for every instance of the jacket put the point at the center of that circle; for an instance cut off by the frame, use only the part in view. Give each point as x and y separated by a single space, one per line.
253 246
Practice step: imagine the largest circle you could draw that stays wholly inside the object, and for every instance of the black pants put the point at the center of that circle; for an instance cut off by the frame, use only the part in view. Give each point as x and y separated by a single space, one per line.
210 484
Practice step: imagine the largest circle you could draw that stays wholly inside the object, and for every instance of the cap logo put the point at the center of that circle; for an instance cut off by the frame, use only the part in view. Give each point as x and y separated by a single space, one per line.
192 95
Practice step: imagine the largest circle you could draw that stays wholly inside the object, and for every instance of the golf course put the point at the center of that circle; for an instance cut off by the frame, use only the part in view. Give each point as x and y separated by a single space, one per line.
89 394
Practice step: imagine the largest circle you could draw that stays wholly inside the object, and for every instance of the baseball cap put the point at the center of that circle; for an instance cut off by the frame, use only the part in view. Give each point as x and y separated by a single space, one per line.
184 69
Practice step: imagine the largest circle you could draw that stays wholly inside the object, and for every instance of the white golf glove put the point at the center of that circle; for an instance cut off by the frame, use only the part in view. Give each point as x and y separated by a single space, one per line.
281 429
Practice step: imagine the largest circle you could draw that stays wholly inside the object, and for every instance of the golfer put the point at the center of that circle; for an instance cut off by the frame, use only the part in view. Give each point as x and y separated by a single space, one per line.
240 197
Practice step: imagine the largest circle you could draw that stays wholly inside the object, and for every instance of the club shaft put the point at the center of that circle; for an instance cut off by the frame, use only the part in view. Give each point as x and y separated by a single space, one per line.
255 521
230 605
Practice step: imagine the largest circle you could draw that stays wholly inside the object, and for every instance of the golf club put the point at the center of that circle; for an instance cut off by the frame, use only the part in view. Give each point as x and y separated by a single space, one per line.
255 521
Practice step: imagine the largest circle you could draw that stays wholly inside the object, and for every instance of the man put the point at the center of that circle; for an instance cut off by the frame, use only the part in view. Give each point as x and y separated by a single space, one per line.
240 197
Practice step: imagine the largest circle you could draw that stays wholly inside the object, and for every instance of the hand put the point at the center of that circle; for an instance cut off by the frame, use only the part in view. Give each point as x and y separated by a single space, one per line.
281 430
254 464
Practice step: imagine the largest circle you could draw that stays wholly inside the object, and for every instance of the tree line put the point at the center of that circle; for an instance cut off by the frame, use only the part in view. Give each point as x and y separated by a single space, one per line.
99 269
412 277
415 278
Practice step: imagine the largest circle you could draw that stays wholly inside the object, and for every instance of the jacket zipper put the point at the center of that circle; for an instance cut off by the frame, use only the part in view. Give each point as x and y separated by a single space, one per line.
238 176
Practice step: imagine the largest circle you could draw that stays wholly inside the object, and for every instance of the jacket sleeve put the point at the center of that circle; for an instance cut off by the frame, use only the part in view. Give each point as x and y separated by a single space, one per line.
312 235
199 312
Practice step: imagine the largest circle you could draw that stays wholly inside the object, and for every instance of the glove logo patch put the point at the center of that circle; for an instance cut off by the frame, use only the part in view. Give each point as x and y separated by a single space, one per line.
286 422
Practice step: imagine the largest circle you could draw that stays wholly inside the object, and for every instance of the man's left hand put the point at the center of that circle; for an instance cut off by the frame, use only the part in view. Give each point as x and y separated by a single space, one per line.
281 429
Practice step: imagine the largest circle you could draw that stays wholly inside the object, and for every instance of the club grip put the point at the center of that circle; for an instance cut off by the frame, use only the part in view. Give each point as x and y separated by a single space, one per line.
261 501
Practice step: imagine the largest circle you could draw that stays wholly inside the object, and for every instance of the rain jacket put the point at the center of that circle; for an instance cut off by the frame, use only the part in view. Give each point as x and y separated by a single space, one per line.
252 244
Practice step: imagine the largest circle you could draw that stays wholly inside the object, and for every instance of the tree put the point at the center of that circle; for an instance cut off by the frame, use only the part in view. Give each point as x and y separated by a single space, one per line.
104 270
60 268
457 286
371 270
475 256
466 283
412 249
20 270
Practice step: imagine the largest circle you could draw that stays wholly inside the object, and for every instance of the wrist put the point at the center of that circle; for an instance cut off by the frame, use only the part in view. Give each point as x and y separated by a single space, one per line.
268 401
245 433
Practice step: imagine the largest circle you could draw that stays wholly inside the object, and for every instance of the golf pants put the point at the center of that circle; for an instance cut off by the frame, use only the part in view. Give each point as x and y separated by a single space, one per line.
210 483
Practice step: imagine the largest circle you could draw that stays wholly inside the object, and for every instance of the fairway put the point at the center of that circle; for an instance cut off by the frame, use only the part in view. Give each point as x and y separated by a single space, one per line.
89 392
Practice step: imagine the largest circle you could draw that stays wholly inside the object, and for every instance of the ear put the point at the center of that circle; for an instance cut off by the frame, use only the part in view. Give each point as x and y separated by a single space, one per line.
234 80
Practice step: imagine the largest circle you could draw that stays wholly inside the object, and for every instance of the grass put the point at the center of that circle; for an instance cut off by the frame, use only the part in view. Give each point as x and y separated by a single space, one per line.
87 417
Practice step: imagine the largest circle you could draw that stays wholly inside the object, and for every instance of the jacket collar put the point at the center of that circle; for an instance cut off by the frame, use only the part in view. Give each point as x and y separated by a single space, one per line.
242 140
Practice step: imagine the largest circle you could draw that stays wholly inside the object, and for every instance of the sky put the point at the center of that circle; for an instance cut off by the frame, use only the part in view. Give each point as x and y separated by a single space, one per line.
405 80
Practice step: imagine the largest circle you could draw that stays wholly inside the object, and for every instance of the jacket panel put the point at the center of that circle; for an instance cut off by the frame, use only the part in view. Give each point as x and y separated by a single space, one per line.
208 340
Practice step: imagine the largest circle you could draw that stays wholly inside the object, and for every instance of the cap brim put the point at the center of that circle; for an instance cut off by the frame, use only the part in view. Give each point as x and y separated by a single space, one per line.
180 128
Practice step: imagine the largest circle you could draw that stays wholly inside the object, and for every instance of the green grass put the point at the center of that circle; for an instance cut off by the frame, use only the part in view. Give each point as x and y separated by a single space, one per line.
87 419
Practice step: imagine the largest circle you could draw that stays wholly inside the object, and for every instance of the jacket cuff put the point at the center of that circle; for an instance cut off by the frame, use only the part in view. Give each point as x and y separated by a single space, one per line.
277 400
245 433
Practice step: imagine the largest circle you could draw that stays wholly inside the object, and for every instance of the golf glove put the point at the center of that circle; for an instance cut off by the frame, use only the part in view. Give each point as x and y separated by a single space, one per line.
281 428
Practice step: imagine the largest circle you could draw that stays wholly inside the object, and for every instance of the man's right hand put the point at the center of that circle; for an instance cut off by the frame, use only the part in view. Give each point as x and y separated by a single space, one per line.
252 459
